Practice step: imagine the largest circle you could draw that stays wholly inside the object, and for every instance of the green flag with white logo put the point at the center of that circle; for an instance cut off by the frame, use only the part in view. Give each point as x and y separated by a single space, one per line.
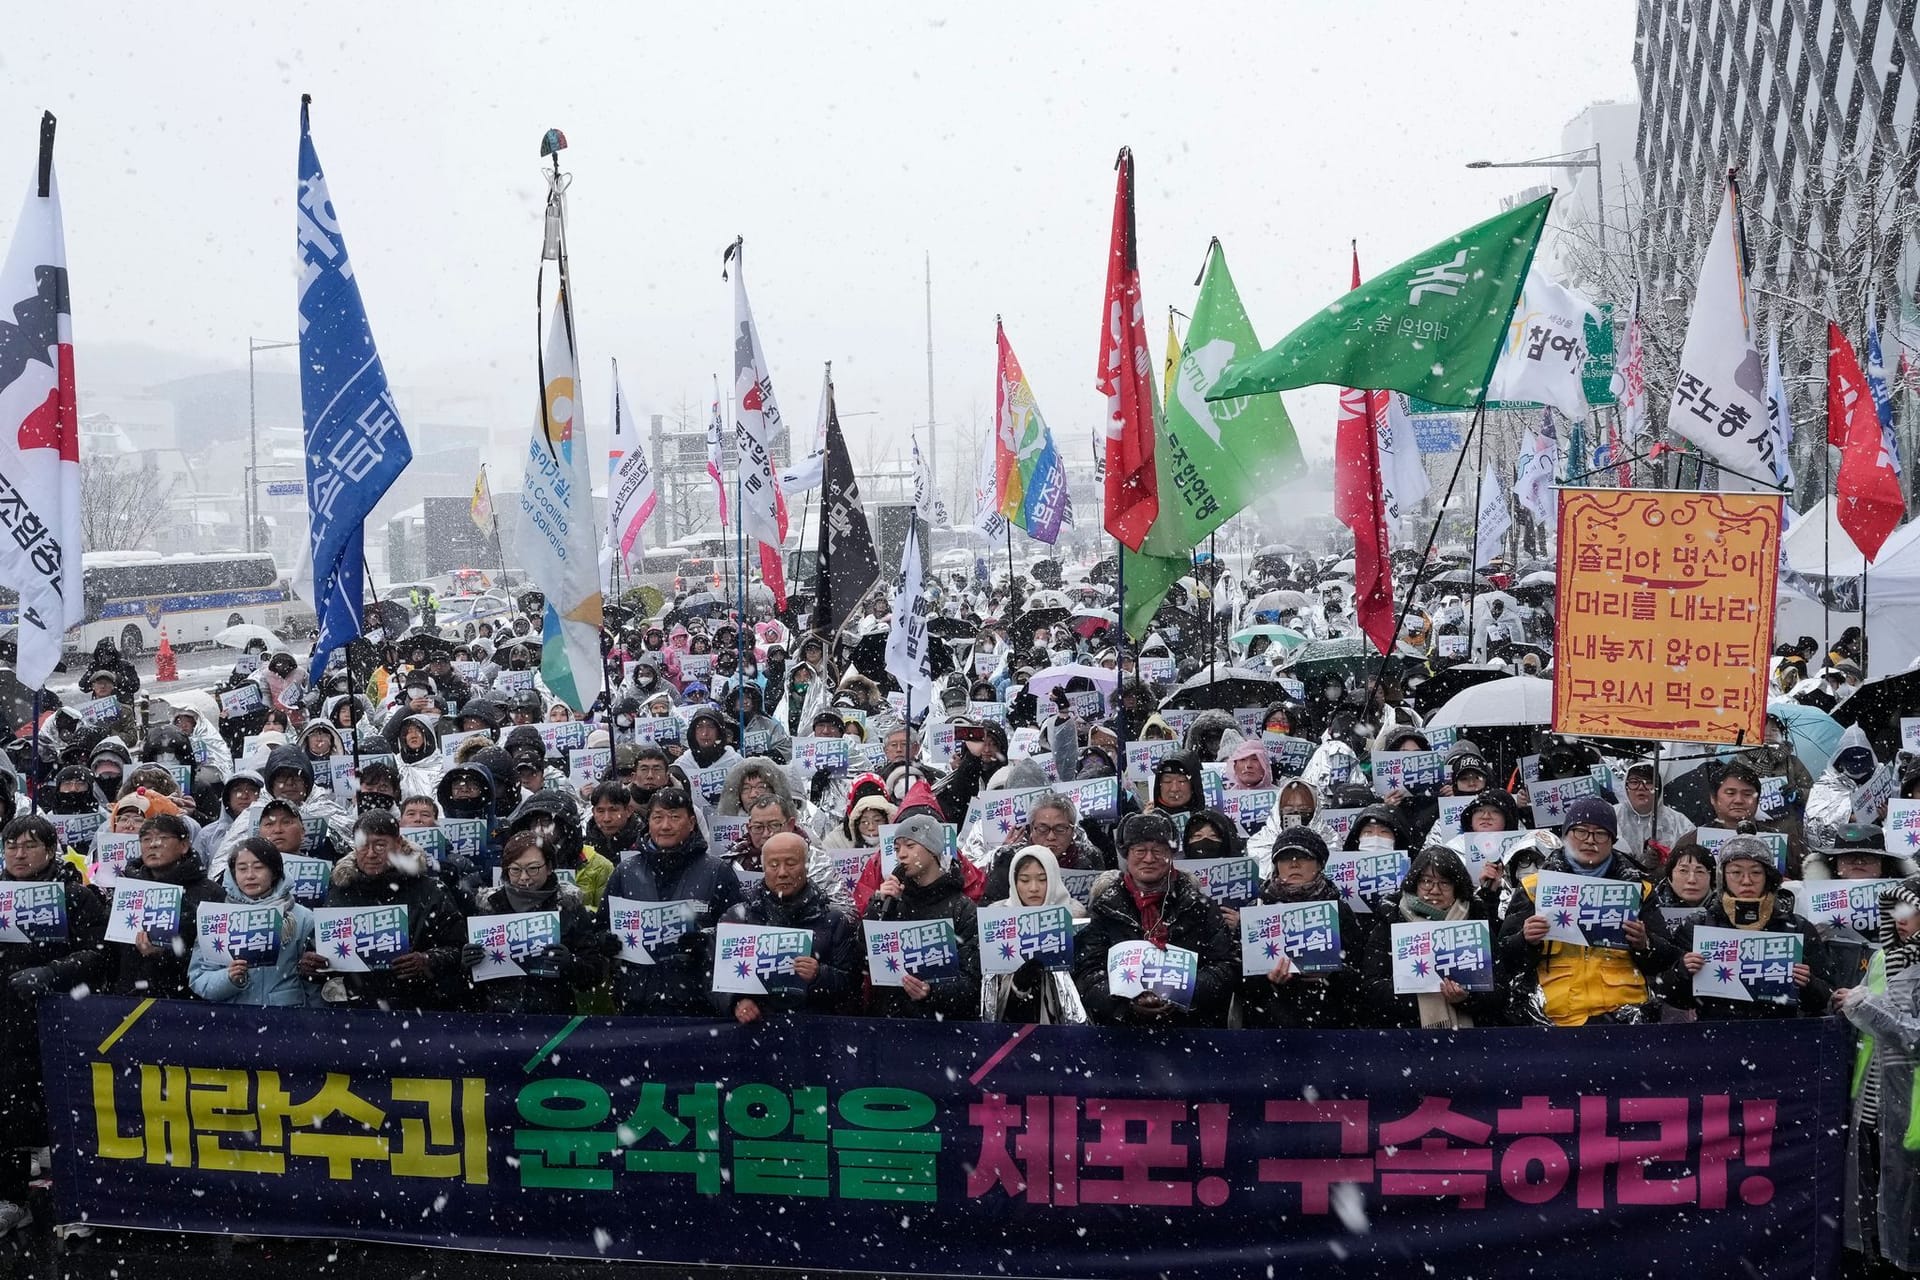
1211 459
1430 327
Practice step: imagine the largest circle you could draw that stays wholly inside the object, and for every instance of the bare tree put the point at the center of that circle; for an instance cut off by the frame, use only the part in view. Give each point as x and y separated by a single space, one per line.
121 502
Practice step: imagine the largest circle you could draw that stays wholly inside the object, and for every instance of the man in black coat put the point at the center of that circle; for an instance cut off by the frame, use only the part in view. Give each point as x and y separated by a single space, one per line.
673 865
786 899
1148 900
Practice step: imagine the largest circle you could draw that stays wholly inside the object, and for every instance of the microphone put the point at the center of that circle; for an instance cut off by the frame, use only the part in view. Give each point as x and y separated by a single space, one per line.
890 907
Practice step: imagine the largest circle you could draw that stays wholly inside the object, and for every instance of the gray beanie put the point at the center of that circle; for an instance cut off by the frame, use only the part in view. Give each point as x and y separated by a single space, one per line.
925 832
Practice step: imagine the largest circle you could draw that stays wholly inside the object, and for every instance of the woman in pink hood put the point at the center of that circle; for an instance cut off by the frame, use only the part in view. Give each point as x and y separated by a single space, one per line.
677 641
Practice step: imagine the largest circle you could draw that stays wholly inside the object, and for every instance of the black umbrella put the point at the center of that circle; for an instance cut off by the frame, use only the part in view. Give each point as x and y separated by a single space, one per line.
1877 707
953 628
1225 689
1461 578
1033 619
390 616
1436 691
701 604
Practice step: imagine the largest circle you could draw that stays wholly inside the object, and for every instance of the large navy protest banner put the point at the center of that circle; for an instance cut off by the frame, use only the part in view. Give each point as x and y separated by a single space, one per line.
1705 1149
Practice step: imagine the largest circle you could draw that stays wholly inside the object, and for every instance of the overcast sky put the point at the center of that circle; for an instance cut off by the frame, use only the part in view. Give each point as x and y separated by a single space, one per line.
843 141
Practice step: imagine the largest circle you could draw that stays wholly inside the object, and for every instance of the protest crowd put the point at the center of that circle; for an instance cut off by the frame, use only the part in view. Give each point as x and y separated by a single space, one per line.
1166 812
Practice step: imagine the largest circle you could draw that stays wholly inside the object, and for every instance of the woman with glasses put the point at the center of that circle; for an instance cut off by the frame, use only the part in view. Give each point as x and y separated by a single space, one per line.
44 965
1642 819
1562 984
1437 887
557 971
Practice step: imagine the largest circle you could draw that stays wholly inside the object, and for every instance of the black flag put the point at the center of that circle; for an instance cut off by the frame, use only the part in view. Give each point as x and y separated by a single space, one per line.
848 566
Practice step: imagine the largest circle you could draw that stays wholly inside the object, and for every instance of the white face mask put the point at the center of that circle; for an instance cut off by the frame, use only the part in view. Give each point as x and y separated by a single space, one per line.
1375 844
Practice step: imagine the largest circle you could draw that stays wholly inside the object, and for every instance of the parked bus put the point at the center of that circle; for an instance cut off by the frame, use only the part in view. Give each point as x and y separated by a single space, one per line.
131 594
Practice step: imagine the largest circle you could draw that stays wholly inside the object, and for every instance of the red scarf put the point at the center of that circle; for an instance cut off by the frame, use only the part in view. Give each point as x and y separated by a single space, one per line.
1149 905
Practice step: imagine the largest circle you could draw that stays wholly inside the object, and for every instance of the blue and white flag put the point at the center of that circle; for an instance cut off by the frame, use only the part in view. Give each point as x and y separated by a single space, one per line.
1779 416
1877 383
354 441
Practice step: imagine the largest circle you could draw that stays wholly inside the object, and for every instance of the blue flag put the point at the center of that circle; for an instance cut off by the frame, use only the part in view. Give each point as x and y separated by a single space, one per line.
355 444
1877 384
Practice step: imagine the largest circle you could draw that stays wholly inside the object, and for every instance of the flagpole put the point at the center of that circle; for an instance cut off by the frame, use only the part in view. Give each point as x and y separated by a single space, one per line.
1826 538
1213 643
493 515
1473 561
1120 657
740 629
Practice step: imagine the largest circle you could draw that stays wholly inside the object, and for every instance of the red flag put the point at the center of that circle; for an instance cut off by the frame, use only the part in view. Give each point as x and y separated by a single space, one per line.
1126 376
1868 490
1359 501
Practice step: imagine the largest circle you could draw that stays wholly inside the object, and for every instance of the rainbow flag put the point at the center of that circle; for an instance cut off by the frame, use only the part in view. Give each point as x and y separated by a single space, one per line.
1028 473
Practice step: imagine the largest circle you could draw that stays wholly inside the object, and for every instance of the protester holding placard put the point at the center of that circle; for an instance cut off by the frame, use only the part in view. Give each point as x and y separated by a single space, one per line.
1750 901
707 752
1437 887
387 871
43 966
256 877
1565 984
556 974
1053 822
1735 798
157 965
1286 996
1147 900
674 865
786 898
1035 992
924 885
555 819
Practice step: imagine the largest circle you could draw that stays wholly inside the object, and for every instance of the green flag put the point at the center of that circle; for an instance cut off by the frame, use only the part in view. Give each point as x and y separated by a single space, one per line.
1430 327
1211 460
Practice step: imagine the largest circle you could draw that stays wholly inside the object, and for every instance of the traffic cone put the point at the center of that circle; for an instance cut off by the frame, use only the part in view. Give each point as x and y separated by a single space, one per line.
165 669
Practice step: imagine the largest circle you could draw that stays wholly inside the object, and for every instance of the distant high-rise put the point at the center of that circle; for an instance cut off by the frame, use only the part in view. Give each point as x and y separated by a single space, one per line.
1815 103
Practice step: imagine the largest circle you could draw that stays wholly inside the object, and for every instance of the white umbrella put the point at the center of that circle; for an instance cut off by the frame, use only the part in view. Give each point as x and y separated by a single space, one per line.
1539 578
1515 700
246 633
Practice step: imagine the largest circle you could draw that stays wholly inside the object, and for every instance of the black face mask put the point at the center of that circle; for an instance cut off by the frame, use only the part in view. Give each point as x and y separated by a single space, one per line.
1206 849
370 800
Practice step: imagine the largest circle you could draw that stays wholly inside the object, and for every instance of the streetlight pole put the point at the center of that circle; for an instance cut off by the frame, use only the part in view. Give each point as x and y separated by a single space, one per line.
1565 160
252 505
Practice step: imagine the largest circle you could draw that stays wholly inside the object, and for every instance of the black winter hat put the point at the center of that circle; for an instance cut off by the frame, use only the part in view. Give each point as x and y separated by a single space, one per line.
1304 839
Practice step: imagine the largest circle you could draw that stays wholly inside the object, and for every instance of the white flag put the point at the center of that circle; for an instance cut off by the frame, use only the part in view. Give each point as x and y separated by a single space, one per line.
986 494
1719 394
1779 414
1403 476
555 537
1533 478
926 500
1491 538
1545 351
40 445
1630 378
763 511
805 473
908 659
630 492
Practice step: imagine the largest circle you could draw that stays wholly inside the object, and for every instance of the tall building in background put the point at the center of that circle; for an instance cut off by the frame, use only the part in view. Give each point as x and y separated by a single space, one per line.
1814 101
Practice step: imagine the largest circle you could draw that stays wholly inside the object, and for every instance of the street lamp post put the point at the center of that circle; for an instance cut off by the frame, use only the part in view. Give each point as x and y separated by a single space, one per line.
1566 160
252 505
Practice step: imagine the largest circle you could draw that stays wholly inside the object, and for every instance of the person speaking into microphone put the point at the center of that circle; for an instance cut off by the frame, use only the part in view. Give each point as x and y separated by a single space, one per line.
924 885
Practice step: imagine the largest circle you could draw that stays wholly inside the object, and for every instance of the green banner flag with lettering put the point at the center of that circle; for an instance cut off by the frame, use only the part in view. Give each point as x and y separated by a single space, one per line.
1212 459
1430 327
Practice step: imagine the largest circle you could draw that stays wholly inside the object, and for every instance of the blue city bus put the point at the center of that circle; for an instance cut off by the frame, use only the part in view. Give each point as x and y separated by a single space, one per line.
130 595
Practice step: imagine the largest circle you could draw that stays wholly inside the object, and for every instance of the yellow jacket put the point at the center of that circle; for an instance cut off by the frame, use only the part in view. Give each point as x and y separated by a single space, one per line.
1578 983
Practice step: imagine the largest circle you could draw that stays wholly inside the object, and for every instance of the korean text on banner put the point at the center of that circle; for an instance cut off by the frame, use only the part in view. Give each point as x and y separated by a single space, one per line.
1666 608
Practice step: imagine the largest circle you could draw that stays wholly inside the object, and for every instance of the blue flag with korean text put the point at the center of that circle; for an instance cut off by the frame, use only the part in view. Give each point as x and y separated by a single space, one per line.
355 445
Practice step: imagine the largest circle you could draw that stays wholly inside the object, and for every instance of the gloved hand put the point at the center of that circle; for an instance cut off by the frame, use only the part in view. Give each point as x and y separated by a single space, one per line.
30 984
549 962
1030 976
472 955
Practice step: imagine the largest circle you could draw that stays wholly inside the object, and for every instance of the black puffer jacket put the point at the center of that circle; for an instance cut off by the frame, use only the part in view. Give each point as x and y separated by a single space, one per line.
955 999
1191 921
436 927
677 983
583 933
1677 985
836 945
1317 1001
78 959
164 973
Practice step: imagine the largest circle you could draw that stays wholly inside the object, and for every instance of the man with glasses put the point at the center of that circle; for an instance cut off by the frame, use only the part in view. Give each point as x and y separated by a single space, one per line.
1564 985
1643 820
1052 821
769 815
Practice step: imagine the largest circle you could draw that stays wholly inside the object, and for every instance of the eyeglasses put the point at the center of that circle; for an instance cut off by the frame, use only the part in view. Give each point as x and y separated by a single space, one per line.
765 828
525 871
1587 835
25 842
1051 828
1432 884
